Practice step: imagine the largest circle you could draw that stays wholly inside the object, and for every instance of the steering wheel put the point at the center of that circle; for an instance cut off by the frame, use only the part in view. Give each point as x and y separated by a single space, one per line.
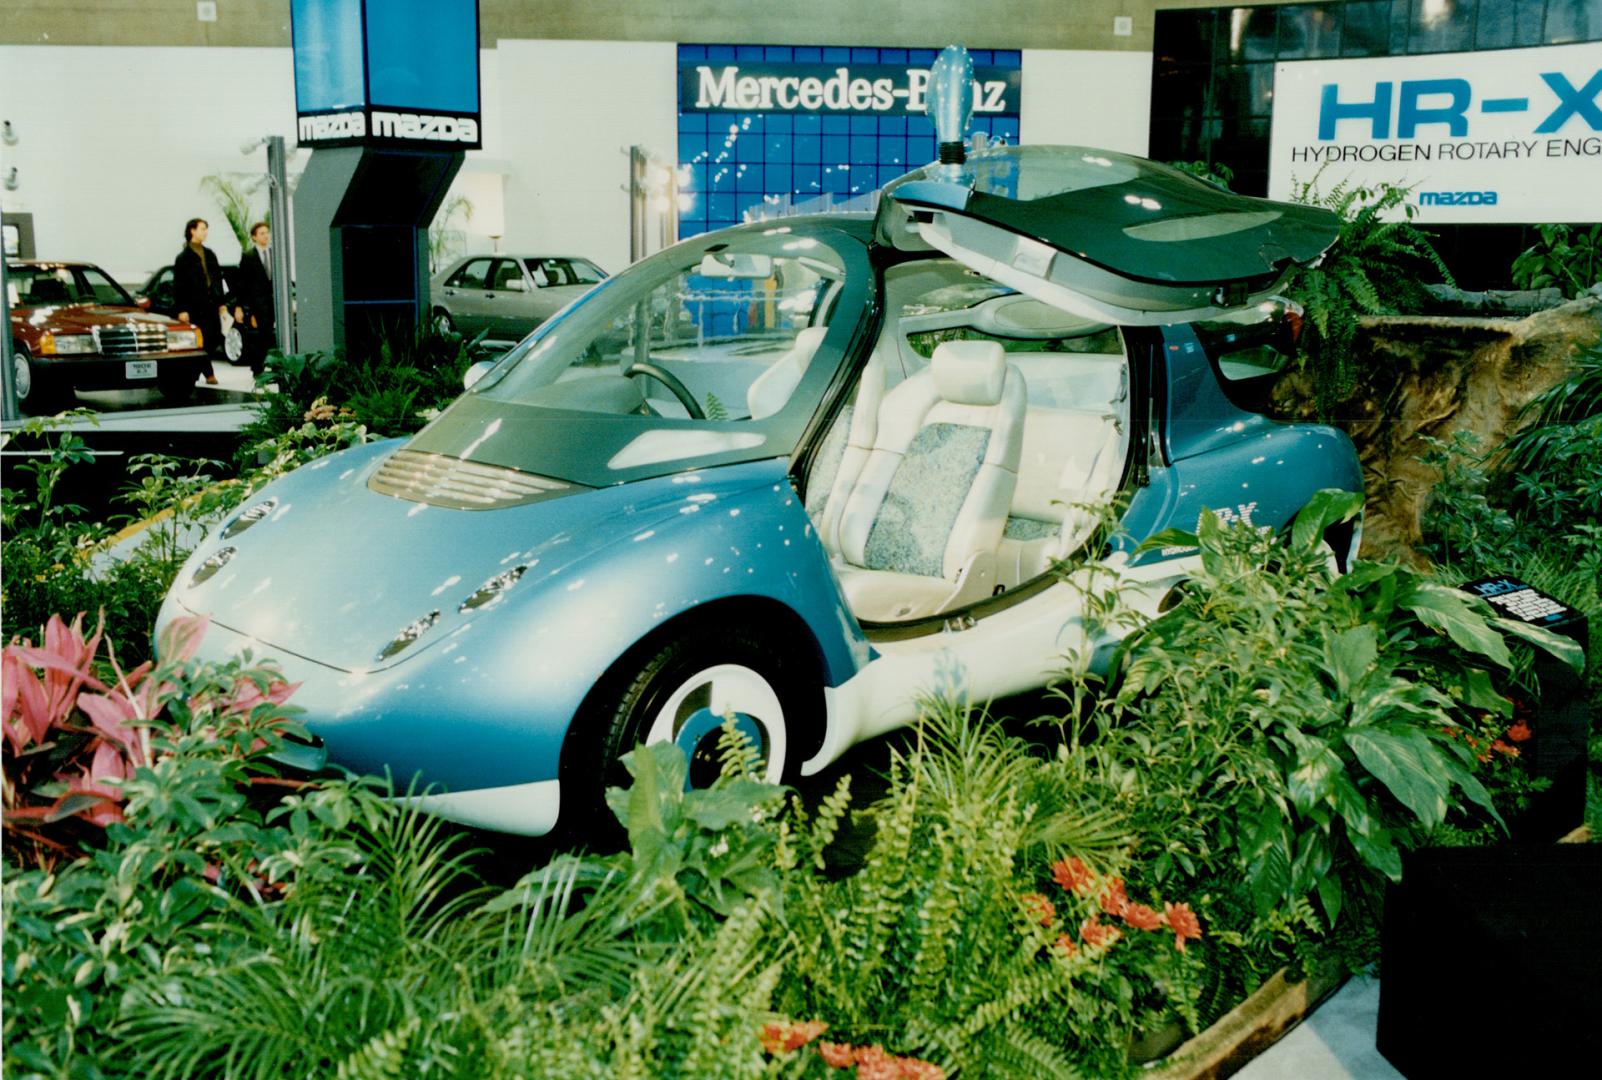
671 381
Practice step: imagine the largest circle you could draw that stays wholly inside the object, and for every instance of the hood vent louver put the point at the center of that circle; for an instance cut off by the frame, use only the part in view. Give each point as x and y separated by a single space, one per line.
442 480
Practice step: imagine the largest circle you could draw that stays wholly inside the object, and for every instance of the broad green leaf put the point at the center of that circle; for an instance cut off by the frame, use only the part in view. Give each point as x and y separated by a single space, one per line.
1313 779
1351 653
1325 508
1565 649
1408 764
1168 538
74 804
726 804
1266 855
1365 574
1478 692
1312 862
1379 851
1448 610
1329 894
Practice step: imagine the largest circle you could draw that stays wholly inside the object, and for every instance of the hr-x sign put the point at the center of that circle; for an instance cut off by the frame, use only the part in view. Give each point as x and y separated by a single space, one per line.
1505 136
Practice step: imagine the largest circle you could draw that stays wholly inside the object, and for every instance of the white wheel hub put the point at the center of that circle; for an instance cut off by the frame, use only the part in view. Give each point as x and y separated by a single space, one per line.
694 713
22 372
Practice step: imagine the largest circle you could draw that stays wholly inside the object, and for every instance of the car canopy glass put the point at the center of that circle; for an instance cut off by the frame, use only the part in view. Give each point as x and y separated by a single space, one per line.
715 351
1104 234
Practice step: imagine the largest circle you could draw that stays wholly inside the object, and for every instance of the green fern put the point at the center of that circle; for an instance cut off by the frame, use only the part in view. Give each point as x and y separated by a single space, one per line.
383 1057
1379 265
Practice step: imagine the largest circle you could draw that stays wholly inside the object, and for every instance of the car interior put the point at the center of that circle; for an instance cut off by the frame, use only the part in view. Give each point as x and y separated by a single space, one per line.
984 432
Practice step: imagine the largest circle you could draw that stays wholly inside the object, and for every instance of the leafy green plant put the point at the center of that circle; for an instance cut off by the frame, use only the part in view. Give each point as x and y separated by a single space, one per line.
1568 257
445 236
234 194
1329 728
1214 172
1378 265
392 390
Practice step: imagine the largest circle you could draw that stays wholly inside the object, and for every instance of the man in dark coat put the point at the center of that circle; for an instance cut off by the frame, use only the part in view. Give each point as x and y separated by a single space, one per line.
253 309
197 287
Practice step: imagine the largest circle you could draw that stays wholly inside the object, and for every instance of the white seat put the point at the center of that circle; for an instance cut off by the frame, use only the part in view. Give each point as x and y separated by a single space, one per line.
1071 458
770 390
845 449
919 531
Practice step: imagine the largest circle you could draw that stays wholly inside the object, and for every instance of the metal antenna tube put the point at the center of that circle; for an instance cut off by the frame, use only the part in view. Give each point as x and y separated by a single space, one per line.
283 296
8 375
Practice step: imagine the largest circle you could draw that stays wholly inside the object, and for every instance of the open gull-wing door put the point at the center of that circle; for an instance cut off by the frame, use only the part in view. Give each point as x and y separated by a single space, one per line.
1104 235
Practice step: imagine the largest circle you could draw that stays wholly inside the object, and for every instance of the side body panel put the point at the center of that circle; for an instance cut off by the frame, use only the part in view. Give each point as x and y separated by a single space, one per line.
489 702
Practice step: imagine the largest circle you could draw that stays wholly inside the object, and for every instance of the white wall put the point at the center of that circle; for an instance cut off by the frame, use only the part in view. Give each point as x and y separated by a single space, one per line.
569 111
1087 98
115 140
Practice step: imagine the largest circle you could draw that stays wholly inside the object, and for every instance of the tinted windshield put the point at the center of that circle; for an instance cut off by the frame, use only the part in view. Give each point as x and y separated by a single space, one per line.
43 286
557 272
713 351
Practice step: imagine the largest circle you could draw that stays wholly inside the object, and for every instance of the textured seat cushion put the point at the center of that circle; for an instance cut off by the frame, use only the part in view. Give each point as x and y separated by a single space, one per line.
933 494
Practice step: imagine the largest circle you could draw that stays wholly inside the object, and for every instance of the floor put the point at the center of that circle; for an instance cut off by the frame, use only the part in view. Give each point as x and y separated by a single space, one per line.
1335 1043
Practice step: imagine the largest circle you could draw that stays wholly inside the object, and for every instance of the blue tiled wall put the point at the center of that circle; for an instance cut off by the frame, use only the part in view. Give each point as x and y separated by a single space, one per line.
735 160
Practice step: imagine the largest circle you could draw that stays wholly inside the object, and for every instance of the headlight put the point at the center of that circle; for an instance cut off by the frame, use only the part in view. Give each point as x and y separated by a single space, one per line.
67 344
183 339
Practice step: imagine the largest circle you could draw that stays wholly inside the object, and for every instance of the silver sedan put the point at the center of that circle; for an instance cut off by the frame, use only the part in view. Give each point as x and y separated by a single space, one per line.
506 296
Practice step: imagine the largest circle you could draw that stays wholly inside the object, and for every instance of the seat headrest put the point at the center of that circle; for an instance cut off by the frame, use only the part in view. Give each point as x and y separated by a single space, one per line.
969 372
808 340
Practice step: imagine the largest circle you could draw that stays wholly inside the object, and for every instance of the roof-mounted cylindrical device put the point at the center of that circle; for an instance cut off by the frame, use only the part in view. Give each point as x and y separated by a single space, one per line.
950 104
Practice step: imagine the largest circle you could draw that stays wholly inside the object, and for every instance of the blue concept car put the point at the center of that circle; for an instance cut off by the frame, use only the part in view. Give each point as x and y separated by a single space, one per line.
798 472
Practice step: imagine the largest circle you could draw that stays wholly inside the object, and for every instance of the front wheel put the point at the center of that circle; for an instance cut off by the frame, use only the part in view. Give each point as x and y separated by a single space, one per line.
444 325
682 692
35 395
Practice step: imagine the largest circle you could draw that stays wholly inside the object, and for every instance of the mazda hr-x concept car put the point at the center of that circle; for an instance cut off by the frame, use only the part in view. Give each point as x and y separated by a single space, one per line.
797 473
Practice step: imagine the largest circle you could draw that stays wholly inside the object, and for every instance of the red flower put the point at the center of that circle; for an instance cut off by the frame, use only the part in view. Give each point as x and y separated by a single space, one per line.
1503 748
1093 933
874 1064
1520 732
783 1038
1065 946
1113 901
1142 917
1184 923
1038 908
837 1055
1072 875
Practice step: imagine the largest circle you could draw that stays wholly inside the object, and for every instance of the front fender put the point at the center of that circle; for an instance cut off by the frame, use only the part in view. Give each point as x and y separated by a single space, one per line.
490 705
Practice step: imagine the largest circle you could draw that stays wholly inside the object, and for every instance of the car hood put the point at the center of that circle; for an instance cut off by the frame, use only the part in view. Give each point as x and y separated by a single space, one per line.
333 571
84 317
